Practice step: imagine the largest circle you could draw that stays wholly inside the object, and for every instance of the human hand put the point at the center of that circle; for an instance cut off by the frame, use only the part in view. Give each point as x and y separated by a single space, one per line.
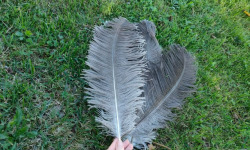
119 145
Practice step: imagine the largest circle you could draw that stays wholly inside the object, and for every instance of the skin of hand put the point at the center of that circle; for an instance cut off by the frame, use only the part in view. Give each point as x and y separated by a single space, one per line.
119 145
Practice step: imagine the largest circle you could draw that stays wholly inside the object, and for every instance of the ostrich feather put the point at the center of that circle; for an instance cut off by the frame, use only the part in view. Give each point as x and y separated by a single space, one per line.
117 63
170 79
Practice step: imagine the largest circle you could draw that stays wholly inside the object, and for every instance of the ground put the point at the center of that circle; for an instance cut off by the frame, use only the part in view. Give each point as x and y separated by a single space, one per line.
43 47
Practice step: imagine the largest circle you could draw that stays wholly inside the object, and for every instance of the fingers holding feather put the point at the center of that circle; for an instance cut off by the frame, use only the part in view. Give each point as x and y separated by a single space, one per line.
126 143
130 147
119 145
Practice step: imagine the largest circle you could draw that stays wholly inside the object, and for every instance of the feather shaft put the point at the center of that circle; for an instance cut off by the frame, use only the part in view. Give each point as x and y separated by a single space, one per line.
114 80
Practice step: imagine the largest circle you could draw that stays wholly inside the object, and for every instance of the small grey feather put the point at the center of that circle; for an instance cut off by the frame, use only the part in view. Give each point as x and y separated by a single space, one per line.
170 79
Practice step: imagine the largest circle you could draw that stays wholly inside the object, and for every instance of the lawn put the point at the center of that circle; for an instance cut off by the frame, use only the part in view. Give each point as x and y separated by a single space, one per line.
43 47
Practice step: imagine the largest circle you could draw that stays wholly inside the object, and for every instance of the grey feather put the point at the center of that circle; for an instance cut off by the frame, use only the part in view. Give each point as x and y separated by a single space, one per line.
117 63
169 82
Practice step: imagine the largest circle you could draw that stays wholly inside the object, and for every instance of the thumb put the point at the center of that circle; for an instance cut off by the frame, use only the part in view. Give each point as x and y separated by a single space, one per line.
119 145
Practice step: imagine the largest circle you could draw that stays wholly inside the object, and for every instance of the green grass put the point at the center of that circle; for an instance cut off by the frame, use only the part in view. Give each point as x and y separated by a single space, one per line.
43 46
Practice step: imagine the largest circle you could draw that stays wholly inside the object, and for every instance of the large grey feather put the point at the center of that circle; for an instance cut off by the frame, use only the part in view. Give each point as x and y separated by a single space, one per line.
171 78
117 62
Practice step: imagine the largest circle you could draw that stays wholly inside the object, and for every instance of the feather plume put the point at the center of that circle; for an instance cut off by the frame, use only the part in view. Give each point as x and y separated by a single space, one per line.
117 63
170 79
